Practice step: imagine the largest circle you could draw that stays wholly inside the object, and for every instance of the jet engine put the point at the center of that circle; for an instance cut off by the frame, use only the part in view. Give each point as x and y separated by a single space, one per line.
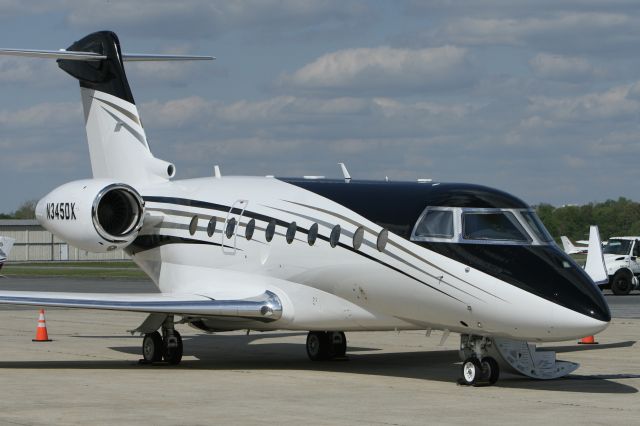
96 215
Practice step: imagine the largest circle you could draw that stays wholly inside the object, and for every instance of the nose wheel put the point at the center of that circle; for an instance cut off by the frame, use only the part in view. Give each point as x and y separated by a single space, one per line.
326 345
478 369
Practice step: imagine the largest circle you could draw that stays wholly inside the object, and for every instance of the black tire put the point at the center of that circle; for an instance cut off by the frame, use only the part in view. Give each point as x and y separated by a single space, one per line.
318 347
621 283
338 343
471 372
490 370
152 347
173 355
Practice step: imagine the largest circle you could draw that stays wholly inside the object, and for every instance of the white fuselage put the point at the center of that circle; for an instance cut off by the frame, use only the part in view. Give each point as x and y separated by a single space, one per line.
404 286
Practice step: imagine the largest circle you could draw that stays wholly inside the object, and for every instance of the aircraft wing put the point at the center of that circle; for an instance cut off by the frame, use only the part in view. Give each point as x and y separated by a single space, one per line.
265 307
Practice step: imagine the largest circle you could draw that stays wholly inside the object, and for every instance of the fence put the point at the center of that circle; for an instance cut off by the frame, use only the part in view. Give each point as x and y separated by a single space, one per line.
34 244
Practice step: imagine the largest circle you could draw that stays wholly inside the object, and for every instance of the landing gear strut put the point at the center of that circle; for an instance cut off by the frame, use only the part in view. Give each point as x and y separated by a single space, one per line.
167 346
326 345
478 368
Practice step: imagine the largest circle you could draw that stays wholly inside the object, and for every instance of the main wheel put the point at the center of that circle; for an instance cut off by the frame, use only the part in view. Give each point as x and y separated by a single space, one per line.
338 343
152 347
318 345
173 350
490 370
621 283
471 371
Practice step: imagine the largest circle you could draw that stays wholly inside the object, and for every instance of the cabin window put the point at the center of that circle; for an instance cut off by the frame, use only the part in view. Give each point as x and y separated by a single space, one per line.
313 234
270 231
291 232
193 226
211 227
231 226
494 225
251 227
334 238
358 237
436 223
383 237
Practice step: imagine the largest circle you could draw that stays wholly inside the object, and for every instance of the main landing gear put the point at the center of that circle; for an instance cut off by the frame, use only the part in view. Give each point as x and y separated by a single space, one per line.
326 345
478 369
166 346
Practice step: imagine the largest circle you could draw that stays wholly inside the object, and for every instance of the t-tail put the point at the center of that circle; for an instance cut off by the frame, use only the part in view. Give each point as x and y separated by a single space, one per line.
118 144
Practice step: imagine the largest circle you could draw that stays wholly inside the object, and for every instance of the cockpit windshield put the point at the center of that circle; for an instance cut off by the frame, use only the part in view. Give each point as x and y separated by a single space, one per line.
480 226
501 226
617 247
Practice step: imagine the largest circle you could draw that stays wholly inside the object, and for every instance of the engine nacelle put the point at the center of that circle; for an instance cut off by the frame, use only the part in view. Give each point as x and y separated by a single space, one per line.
96 215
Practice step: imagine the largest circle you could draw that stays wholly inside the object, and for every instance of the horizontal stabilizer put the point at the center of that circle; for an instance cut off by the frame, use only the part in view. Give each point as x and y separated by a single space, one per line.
54 54
70 55
138 57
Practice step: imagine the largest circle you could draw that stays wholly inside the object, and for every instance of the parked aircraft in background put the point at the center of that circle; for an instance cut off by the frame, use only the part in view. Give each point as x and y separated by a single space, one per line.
569 248
321 255
6 244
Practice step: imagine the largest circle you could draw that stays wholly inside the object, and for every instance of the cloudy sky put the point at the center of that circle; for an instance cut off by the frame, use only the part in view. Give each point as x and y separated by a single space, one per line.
539 98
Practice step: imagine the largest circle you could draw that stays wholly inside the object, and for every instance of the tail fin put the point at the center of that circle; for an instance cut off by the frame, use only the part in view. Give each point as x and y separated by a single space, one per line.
6 244
568 246
117 141
595 266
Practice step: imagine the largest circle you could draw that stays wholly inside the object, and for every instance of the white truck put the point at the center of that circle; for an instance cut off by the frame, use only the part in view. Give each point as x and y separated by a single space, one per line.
622 261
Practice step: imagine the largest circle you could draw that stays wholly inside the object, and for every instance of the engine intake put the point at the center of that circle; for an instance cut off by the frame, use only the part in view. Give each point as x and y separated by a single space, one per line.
117 212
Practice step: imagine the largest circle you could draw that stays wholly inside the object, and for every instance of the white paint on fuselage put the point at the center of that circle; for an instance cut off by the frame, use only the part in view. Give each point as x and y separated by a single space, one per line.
318 281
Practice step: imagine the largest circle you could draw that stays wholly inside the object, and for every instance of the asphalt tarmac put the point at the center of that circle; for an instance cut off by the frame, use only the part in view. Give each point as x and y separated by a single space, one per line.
89 374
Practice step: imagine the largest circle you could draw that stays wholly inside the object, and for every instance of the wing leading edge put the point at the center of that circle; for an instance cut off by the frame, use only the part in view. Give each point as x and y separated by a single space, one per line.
265 307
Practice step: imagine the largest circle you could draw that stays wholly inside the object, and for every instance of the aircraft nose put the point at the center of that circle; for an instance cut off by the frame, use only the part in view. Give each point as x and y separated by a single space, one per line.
572 288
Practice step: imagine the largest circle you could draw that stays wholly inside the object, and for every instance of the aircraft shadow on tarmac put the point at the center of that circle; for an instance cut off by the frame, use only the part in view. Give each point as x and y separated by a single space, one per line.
240 352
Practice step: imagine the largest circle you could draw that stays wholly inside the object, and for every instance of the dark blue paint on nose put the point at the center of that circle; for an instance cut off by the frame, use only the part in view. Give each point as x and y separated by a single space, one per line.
545 271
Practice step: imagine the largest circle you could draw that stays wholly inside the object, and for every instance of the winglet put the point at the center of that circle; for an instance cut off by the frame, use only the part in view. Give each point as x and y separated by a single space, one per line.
595 266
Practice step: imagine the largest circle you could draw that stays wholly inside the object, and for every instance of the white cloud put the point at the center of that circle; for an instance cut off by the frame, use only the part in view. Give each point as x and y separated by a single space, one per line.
613 104
557 67
45 115
561 31
189 18
381 70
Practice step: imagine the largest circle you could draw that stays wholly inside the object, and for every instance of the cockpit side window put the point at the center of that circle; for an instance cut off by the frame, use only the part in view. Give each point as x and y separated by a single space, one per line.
536 226
436 223
499 226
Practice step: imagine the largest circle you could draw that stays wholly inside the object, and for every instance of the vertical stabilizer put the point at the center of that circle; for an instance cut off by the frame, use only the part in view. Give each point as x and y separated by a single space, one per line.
117 141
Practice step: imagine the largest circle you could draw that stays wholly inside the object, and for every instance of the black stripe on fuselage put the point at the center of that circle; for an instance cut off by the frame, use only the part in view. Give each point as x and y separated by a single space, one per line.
265 218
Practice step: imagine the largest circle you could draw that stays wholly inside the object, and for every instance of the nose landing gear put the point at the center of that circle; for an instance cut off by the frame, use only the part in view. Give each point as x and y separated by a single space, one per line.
478 369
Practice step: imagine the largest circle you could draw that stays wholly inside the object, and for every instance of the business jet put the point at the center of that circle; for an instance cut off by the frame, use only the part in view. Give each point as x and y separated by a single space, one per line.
320 255
6 244
570 248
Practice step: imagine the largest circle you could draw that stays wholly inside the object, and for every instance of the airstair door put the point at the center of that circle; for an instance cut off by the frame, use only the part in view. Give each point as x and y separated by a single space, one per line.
232 227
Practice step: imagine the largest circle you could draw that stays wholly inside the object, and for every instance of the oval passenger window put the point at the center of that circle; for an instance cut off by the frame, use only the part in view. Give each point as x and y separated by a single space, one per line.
270 231
383 237
211 227
193 226
334 238
291 232
358 237
231 226
251 227
313 234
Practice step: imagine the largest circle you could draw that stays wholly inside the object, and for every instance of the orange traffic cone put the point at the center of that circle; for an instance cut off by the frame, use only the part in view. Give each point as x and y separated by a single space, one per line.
589 340
41 331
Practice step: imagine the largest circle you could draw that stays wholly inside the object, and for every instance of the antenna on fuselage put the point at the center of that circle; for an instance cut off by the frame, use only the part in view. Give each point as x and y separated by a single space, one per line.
345 172
216 172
